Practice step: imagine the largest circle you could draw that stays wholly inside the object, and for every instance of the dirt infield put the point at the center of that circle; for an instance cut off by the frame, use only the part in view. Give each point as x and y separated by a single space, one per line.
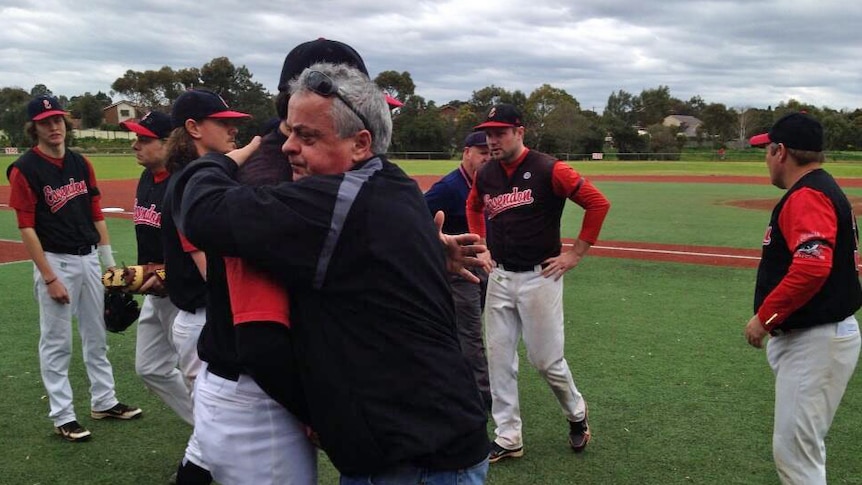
119 194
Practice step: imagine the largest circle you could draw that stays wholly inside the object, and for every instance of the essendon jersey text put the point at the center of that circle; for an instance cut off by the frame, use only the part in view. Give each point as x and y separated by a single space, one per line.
148 215
57 198
503 202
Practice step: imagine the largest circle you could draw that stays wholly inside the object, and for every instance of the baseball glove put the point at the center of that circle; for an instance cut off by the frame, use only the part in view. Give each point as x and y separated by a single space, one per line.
144 279
121 311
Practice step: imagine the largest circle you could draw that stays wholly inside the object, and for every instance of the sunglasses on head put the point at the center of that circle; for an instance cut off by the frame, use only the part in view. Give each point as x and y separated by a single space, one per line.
323 85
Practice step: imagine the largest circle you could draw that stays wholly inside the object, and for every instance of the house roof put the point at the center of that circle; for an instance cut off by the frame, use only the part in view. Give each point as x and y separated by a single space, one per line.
113 105
689 123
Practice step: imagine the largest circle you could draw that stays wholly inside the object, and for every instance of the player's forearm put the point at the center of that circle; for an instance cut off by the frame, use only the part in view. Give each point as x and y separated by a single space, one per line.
803 280
102 229
37 254
476 222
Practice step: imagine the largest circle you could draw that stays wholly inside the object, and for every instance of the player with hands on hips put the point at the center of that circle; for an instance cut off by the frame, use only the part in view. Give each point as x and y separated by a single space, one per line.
522 193
57 204
805 297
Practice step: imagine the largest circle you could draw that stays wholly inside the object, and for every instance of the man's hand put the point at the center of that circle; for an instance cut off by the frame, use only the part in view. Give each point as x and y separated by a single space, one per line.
240 155
754 332
58 292
559 265
462 252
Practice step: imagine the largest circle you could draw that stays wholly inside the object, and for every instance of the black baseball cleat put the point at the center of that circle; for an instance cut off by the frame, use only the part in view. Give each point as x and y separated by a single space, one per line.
579 433
119 411
498 453
72 431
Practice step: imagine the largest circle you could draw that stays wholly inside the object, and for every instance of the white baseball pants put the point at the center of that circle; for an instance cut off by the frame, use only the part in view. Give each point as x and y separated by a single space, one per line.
246 437
529 305
186 331
812 367
156 357
81 276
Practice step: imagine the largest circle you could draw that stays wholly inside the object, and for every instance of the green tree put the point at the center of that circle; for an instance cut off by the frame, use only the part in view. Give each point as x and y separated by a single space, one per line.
620 121
13 116
549 108
39 90
399 85
694 106
420 128
150 89
236 86
89 108
654 105
664 144
483 99
463 124
719 124
158 89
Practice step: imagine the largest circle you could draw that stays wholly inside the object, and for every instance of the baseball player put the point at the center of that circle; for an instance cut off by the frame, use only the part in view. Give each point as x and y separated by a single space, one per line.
522 193
202 122
449 195
806 295
56 200
155 355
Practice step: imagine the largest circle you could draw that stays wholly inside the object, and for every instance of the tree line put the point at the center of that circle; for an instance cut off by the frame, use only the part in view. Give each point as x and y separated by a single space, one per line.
556 122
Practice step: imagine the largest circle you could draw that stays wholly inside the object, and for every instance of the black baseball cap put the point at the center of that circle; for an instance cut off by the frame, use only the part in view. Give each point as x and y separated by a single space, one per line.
799 131
323 50
44 106
502 116
320 50
154 124
476 139
199 104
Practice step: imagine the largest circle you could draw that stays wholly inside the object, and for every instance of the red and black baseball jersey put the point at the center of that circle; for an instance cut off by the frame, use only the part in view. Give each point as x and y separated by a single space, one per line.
63 191
148 216
834 236
522 209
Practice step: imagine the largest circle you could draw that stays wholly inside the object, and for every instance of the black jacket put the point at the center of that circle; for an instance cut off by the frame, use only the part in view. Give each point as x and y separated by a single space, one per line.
373 330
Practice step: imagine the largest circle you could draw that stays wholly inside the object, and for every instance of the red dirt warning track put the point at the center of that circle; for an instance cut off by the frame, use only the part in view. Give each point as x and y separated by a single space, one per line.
120 193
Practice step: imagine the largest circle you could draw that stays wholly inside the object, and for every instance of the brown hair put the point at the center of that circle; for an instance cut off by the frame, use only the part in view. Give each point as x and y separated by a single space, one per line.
802 157
181 150
30 129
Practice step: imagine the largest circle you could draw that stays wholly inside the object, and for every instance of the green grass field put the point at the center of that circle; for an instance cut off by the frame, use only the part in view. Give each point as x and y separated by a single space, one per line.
676 395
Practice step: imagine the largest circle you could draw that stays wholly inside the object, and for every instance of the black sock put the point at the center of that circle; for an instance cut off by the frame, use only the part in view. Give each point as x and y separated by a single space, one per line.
189 473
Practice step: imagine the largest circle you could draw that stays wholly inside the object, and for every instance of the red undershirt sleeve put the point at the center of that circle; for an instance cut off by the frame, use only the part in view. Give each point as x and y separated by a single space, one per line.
570 184
475 212
96 201
254 295
810 227
22 199
188 247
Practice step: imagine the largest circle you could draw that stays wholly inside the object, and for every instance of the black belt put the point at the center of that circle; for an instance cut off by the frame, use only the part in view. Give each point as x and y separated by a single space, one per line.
78 251
222 372
520 268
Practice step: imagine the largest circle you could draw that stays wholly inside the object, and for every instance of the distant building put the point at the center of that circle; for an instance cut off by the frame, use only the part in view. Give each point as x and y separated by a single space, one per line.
119 112
688 125
449 112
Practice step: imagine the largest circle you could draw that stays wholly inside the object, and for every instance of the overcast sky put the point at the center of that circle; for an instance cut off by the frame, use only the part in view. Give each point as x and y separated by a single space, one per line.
743 53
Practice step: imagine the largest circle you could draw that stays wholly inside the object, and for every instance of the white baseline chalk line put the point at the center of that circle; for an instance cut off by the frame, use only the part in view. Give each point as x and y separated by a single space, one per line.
677 253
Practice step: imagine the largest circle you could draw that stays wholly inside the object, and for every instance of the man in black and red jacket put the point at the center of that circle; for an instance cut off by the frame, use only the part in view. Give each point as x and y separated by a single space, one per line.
806 295
372 331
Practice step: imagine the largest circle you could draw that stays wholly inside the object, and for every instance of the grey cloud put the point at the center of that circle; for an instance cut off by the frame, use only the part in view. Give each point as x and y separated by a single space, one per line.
740 53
